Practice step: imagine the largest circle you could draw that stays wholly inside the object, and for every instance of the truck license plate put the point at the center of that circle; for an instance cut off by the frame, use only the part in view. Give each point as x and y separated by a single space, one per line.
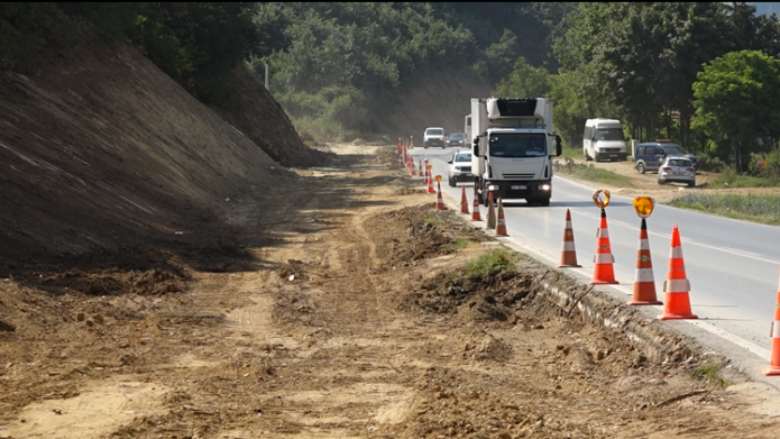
519 187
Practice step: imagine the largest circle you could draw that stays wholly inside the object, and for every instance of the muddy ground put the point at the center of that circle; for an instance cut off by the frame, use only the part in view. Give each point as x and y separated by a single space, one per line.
350 315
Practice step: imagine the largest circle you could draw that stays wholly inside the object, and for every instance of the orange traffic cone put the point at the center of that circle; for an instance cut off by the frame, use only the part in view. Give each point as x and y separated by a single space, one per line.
439 200
676 286
774 359
604 272
491 216
430 182
644 283
464 202
475 216
569 253
421 173
500 222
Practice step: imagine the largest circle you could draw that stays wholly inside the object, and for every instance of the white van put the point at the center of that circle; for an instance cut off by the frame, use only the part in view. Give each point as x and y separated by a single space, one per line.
603 140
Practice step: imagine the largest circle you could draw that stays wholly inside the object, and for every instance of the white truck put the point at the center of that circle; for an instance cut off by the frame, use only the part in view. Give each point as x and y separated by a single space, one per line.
467 128
513 146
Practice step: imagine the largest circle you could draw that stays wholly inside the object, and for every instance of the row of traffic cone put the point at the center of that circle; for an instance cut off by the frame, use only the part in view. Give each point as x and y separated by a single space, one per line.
495 220
676 287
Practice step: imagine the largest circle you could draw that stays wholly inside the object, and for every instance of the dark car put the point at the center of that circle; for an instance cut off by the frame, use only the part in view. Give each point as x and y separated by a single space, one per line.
457 140
648 156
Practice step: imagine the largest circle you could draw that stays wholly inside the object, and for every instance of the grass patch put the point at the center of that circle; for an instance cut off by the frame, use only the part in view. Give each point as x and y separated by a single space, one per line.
711 374
459 244
731 179
592 173
758 208
574 153
491 263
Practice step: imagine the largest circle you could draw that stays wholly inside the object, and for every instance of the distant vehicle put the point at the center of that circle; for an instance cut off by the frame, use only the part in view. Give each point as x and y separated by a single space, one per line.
603 139
456 139
467 129
434 137
649 155
459 169
677 169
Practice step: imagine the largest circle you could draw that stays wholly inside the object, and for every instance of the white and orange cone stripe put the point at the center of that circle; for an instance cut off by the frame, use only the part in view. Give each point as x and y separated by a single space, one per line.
568 253
677 303
603 272
500 221
439 199
475 216
644 281
464 202
491 213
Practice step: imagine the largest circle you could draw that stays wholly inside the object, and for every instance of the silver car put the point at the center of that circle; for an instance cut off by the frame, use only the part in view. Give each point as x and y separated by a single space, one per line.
459 169
677 169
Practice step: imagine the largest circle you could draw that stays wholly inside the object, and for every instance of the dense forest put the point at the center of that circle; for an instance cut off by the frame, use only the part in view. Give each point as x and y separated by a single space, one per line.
702 73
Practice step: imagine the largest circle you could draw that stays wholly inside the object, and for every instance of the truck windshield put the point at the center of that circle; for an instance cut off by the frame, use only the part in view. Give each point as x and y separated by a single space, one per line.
517 145
609 134
434 132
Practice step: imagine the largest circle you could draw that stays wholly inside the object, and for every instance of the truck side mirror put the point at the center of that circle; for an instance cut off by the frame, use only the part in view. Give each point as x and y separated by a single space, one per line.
476 148
558 147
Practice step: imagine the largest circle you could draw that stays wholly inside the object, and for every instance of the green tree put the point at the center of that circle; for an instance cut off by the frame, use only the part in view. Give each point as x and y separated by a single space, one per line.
737 102
525 81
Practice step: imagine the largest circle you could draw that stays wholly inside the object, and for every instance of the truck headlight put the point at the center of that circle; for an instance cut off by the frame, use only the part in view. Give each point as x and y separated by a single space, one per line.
544 187
492 187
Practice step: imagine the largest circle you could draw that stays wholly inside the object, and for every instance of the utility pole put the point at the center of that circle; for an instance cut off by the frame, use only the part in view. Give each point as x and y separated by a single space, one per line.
266 76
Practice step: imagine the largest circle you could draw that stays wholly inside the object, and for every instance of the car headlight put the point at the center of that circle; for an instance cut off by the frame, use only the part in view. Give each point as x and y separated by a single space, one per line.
492 187
544 187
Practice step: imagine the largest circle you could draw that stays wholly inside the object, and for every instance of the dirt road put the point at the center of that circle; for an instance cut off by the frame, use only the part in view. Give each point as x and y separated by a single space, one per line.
353 319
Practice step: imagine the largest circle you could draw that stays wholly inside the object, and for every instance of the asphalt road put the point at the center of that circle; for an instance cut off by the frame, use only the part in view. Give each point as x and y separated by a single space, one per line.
732 265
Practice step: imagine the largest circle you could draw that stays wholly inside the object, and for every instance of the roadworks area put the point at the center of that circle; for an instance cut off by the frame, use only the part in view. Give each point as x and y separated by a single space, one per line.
347 306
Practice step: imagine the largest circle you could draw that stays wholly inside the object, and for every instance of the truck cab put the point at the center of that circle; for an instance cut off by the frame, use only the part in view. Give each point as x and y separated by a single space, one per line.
512 149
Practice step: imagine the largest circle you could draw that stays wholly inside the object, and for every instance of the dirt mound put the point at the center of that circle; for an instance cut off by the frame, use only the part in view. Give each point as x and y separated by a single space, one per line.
294 268
258 115
491 297
115 281
422 233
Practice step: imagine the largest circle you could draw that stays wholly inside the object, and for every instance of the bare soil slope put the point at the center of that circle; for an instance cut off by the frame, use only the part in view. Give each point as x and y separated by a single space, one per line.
261 118
102 152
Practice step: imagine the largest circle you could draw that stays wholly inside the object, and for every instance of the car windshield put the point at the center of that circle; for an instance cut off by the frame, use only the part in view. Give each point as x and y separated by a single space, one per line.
675 150
463 157
609 134
517 145
457 136
681 163
434 132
